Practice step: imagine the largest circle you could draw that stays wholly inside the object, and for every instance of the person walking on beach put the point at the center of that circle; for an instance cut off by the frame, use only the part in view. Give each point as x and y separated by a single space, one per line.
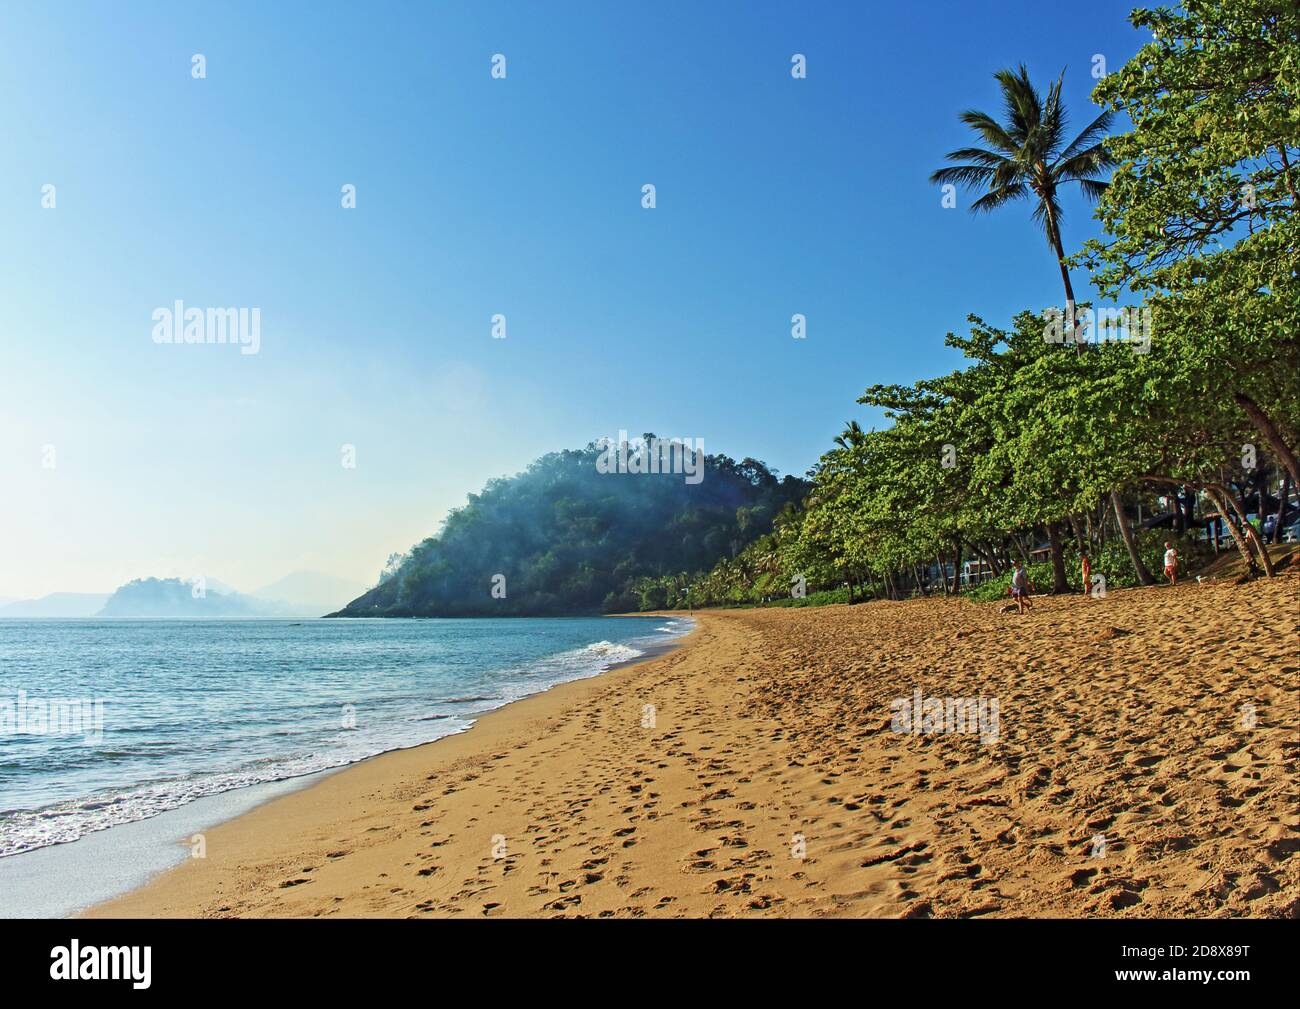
1087 572
1171 564
1020 587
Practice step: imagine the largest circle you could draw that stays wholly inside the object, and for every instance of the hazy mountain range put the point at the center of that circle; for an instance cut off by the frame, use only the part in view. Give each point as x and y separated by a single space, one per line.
57 604
300 594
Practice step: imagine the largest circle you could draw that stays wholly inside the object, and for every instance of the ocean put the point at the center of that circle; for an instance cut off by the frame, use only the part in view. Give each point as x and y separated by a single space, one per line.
106 722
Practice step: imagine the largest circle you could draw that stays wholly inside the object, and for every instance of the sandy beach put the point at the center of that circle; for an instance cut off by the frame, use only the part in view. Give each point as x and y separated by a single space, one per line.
1144 765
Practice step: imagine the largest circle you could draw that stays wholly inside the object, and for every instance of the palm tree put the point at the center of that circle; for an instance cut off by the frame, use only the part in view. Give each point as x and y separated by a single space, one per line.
1028 158
852 436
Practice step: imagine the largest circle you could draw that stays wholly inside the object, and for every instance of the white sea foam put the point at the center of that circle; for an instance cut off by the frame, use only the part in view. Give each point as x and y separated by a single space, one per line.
26 829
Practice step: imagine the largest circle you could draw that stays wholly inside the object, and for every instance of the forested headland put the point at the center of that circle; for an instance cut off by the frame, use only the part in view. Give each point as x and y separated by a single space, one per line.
565 538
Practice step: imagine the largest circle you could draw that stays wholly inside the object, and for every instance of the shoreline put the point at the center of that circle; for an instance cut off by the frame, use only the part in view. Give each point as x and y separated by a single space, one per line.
1121 780
303 785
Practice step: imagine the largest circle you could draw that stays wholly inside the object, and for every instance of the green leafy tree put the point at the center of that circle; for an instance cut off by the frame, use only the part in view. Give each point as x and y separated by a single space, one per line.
1202 213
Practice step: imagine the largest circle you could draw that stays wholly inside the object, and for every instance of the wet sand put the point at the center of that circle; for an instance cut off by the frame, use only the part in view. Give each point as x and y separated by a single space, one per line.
1145 764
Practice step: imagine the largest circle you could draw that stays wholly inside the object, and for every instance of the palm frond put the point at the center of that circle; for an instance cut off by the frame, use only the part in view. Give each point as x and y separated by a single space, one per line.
1055 120
1093 189
1090 136
995 198
1011 166
1083 165
979 156
991 130
962 175
1024 106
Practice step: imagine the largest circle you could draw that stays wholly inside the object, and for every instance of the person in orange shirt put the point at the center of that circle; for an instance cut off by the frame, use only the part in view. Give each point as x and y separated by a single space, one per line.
1087 573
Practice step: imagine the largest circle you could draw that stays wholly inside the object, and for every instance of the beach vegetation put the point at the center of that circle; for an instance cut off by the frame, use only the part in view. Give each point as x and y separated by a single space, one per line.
1179 424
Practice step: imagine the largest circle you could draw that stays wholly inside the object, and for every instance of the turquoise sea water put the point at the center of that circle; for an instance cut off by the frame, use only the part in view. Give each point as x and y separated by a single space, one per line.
168 711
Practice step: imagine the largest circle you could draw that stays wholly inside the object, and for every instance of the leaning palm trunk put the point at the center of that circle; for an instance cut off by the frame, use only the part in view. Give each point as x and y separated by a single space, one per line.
1071 310
1223 496
1143 575
1221 503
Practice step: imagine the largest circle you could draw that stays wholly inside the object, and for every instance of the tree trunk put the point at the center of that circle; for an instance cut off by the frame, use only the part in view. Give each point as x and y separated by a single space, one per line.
1059 583
1269 430
1221 503
1281 509
1143 575
956 570
1252 537
943 572
1261 548
1240 504
1054 236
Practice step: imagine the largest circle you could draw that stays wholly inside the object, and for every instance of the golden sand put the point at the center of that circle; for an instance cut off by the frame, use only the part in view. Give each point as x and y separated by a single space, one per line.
1126 779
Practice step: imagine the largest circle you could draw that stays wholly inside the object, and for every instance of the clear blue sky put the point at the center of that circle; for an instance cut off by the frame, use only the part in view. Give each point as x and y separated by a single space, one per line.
475 196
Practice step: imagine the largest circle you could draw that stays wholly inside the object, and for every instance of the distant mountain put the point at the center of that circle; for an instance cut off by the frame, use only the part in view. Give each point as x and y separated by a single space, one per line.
175 597
310 592
65 605
299 594
575 531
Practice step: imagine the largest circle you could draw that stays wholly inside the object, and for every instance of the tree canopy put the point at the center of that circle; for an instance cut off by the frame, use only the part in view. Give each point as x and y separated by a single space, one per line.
1183 409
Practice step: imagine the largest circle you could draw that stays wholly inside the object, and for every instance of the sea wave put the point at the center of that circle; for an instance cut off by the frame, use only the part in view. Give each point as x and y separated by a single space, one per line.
25 830
607 650
419 720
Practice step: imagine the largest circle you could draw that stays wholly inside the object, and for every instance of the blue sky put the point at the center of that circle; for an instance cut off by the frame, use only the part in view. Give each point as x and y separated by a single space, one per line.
475 196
